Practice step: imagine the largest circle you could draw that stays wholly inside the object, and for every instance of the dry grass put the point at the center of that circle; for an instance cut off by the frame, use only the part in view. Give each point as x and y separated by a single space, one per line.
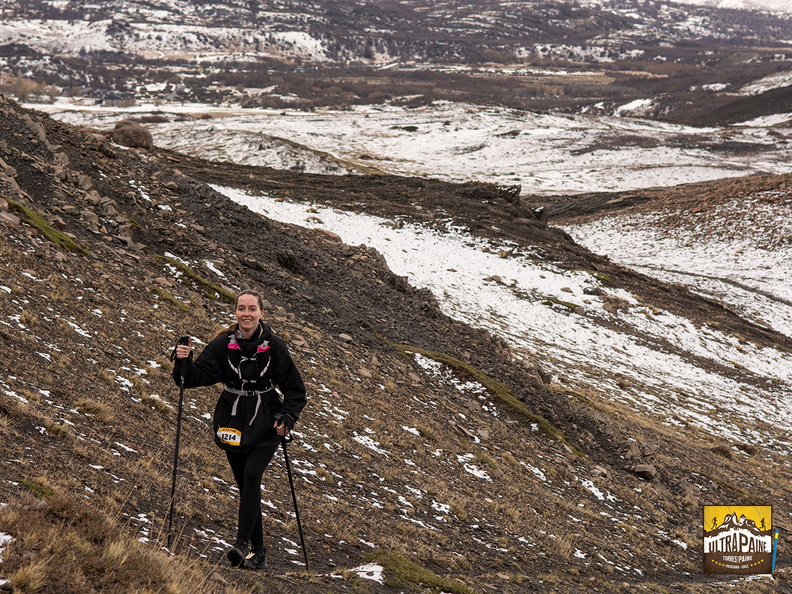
57 429
485 459
98 410
155 402
32 578
71 548
29 319
116 553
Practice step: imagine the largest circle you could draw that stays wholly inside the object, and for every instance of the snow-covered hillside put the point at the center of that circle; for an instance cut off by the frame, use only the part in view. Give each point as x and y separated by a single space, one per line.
745 265
376 32
648 358
161 40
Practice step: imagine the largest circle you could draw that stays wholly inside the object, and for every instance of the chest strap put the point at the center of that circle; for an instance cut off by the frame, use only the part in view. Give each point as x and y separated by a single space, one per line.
240 393
248 392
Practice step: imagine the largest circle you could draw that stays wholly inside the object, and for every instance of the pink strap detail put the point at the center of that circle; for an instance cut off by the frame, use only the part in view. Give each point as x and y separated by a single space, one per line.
263 349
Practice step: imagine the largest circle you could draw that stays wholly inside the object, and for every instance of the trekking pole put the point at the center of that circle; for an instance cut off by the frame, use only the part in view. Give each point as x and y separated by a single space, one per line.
775 550
183 340
285 439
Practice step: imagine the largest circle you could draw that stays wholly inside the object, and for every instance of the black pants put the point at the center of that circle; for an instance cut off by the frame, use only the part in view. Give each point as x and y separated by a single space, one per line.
248 468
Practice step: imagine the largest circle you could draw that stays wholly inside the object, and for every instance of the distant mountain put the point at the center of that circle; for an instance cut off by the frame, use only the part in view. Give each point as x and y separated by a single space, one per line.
543 55
379 31
775 5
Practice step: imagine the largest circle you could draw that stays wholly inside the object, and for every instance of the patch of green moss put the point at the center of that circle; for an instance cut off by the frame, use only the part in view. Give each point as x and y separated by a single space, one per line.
133 222
37 489
584 400
493 386
400 572
568 304
600 276
37 220
165 296
206 288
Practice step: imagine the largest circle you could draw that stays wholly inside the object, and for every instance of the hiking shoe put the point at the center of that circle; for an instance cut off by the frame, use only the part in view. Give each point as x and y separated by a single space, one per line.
257 560
237 555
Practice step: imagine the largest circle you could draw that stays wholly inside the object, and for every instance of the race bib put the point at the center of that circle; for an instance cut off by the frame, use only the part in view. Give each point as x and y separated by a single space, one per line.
229 435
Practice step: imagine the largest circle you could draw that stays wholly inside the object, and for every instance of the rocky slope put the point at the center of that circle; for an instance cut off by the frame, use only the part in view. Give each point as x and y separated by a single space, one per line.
424 442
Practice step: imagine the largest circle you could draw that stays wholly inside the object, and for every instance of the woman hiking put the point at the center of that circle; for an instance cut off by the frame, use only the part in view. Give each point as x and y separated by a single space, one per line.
250 418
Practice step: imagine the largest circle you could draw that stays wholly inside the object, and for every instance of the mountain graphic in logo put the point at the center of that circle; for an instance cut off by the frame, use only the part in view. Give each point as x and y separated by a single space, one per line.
738 544
732 522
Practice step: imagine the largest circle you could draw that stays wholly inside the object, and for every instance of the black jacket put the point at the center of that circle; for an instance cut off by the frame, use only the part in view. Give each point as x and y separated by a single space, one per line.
250 370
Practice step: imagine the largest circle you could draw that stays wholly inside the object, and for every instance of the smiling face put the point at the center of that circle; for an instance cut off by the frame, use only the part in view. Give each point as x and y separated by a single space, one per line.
247 314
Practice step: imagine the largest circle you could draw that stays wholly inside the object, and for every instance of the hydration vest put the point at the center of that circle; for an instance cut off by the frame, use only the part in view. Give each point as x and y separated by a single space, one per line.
251 382
236 360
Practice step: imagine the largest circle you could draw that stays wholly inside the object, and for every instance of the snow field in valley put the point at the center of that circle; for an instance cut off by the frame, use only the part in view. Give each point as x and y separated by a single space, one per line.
545 154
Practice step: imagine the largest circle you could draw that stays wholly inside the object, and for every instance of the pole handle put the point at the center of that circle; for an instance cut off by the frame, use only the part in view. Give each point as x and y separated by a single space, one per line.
183 340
